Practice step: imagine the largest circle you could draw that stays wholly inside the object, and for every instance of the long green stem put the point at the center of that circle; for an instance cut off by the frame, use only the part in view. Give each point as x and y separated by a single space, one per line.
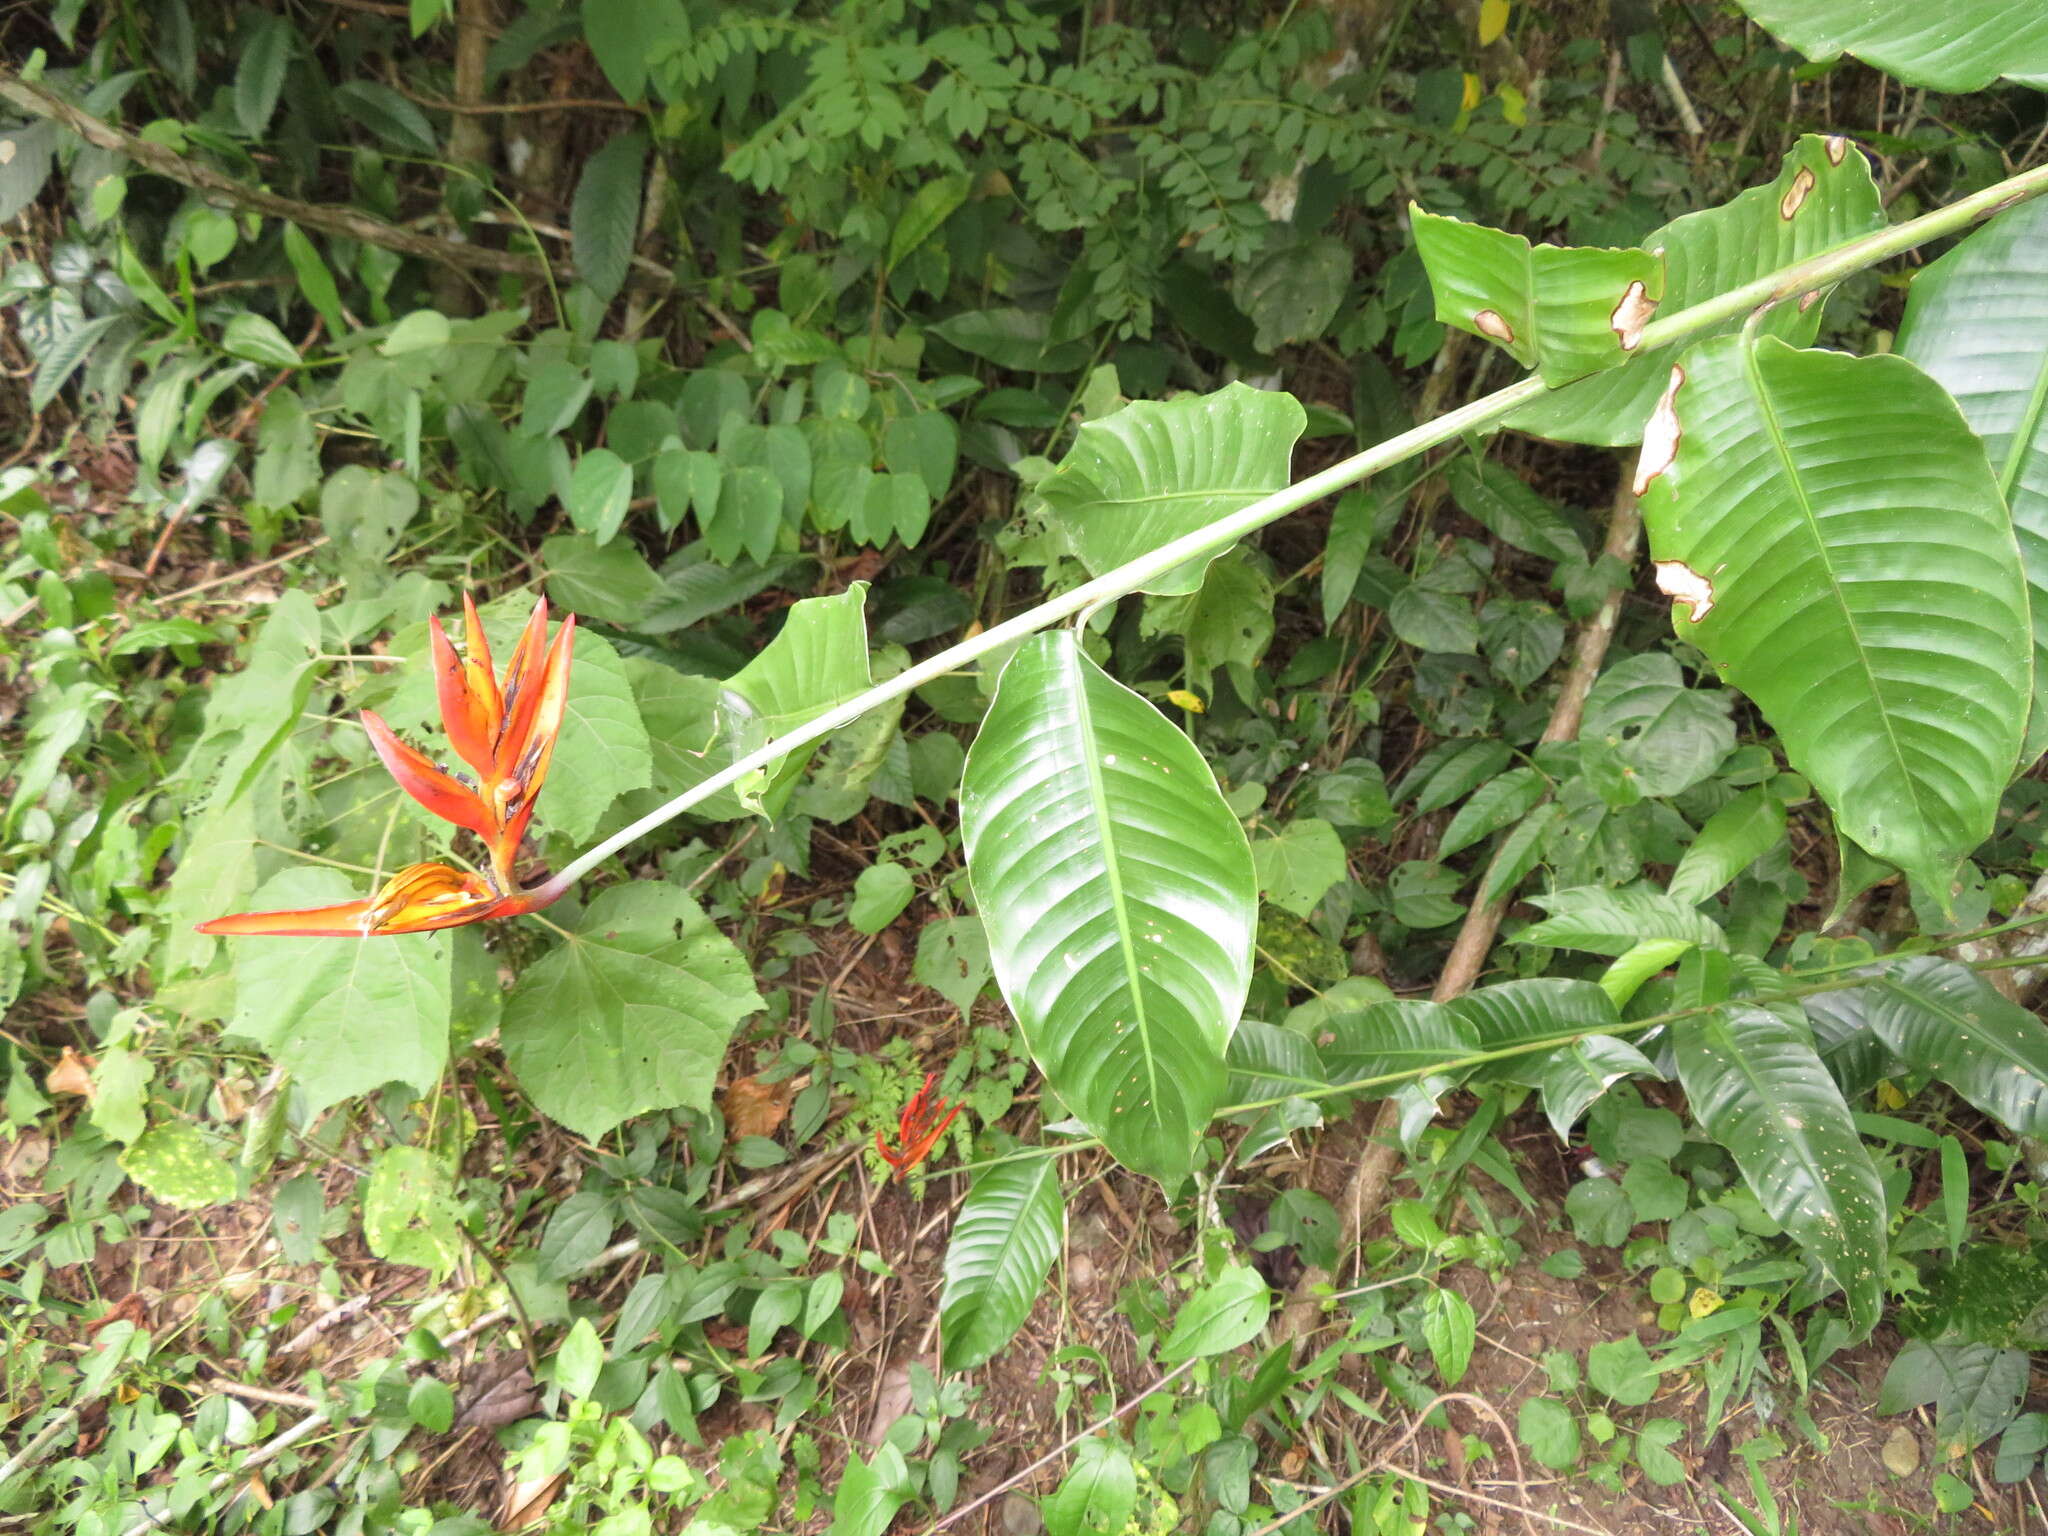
1787 282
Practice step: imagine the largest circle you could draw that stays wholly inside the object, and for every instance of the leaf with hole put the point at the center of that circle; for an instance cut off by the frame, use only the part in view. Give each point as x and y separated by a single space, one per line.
1562 311
1822 196
1860 582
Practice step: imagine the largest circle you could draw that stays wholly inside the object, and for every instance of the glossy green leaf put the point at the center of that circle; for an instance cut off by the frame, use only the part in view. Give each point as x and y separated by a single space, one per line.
1387 1038
1267 1061
1734 837
1957 45
343 1016
1228 1311
1098 1493
1757 1087
604 216
1940 1017
1571 1077
1119 897
1840 544
1155 470
1004 1241
629 1013
1977 321
1823 195
1612 922
1563 312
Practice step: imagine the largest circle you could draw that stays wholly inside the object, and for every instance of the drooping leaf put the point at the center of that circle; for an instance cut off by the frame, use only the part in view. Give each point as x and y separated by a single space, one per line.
1977 321
388 115
259 76
1822 196
1757 1087
343 1016
1735 837
1563 312
1495 495
1846 560
1155 470
1119 897
1004 1241
630 1013
1941 1017
1571 1077
604 217
1392 1037
1612 922
1958 45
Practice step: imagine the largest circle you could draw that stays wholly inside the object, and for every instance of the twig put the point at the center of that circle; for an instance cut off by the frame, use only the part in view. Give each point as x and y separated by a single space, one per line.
246 571
47 1434
257 1394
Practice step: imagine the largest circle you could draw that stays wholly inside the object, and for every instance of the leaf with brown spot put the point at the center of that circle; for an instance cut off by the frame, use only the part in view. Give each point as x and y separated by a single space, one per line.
1795 195
1661 436
1565 312
755 1108
1706 254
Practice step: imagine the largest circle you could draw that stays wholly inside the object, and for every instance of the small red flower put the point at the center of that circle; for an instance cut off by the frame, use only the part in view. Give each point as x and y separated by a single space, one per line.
923 1122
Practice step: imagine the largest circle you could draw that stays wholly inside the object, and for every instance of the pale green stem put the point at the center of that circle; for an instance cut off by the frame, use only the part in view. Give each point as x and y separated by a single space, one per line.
1785 283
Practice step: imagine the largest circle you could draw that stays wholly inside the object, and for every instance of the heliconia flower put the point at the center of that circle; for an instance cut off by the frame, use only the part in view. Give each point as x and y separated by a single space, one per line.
418 899
918 1129
506 732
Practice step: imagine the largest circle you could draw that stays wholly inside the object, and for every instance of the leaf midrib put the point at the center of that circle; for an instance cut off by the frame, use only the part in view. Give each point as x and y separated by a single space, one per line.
1105 832
1768 410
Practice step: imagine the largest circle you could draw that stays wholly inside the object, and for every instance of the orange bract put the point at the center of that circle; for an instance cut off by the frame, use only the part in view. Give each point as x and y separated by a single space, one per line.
506 733
918 1129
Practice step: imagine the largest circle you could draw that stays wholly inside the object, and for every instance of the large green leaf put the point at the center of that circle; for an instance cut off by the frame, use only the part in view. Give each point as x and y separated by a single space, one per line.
630 1013
1822 196
1563 312
1842 554
1008 1232
1158 469
1606 922
343 1016
1978 321
817 661
1954 45
1941 1017
1118 893
1757 1087
1385 1038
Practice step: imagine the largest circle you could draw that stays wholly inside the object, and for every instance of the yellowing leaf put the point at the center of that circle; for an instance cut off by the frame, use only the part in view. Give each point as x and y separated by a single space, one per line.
1704 1303
1888 1095
1183 698
1514 106
1473 91
1493 20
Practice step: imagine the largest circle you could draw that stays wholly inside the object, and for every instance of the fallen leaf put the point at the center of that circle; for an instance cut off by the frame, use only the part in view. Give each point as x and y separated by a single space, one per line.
527 1502
72 1074
755 1108
497 1393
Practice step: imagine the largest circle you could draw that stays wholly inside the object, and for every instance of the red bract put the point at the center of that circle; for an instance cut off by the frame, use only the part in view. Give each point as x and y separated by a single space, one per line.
506 732
923 1122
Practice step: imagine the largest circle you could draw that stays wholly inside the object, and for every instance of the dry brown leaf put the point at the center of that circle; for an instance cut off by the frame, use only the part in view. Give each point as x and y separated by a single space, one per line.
72 1074
527 1502
755 1108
